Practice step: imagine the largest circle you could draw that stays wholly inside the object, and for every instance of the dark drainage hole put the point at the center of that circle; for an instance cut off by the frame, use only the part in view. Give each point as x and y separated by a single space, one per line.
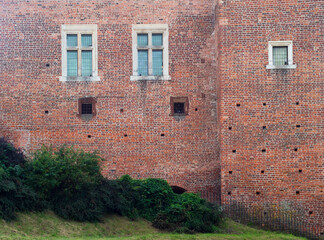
296 149
162 134
300 170
264 104
262 171
238 104
230 172
234 151
310 212
265 213
125 135
89 136
229 193
47 64
297 103
229 128
263 150
46 112
121 110
257 193
297 192
196 109
298 126
264 127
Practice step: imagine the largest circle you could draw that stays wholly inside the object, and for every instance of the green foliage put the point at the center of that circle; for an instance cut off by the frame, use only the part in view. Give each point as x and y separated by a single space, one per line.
69 182
189 213
15 195
68 179
155 195
63 170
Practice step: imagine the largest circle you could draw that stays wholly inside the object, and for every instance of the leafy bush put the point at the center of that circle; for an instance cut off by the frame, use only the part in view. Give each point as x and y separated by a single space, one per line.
155 195
63 170
68 179
189 213
15 195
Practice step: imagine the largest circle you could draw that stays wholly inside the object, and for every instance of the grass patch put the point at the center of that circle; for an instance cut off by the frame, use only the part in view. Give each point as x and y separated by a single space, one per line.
46 225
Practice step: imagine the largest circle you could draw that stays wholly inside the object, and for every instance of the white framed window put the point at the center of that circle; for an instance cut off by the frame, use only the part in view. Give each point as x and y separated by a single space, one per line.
280 55
79 52
150 52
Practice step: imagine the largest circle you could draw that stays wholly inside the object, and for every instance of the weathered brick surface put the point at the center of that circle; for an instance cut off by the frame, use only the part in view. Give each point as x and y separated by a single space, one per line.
245 28
218 51
187 156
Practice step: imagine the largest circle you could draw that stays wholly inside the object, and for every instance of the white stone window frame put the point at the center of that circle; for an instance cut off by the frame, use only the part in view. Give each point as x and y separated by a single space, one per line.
79 29
151 29
288 44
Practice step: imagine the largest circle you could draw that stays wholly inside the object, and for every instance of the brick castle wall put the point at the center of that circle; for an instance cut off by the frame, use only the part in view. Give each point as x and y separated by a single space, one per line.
187 154
272 120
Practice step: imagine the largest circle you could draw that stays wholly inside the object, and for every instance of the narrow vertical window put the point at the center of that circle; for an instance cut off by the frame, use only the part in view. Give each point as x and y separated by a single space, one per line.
143 62
72 63
87 63
157 57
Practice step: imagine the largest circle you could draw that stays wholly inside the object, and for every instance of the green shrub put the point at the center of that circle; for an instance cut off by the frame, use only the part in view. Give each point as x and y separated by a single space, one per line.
155 195
69 180
189 213
64 170
15 194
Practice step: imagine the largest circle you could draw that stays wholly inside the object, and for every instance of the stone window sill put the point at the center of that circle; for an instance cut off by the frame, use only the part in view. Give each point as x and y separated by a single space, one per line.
148 78
79 79
281 67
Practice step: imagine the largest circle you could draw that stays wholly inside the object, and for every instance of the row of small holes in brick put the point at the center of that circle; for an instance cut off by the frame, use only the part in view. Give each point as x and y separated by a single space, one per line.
264 127
121 110
264 150
258 193
125 135
264 104
262 171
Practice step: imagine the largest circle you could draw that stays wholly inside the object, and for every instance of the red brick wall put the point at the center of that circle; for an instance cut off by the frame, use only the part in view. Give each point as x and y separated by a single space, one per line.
187 156
245 27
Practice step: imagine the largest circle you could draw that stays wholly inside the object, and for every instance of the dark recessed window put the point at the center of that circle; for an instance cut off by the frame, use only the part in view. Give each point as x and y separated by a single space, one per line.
86 108
179 106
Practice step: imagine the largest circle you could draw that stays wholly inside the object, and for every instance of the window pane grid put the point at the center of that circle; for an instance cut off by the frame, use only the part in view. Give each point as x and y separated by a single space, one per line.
72 63
157 56
143 62
142 40
86 63
157 39
86 108
86 40
179 108
280 55
72 40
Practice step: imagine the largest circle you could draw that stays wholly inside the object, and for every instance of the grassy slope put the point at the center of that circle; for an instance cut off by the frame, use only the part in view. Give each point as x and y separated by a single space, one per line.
48 226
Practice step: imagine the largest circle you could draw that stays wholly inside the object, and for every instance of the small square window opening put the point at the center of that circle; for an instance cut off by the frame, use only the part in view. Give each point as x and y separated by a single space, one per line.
179 106
86 108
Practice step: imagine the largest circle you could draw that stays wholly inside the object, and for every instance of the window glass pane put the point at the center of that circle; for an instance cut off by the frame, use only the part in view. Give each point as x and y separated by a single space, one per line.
142 40
157 40
86 108
86 40
280 55
179 107
72 63
72 40
142 63
87 63
157 56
